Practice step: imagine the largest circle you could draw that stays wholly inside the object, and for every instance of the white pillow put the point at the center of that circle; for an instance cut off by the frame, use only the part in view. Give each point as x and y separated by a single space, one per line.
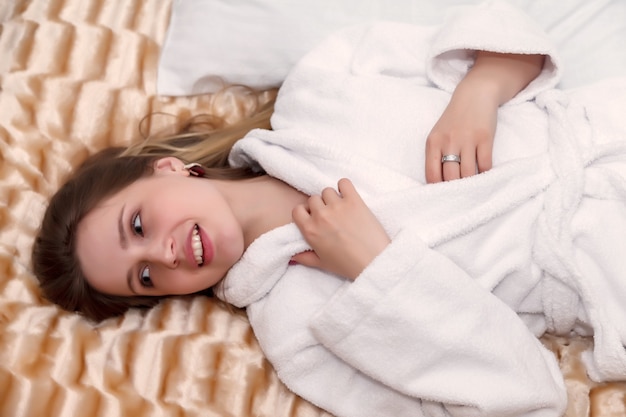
213 43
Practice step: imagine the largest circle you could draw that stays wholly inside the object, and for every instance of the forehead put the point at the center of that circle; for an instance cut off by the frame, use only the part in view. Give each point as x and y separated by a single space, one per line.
100 255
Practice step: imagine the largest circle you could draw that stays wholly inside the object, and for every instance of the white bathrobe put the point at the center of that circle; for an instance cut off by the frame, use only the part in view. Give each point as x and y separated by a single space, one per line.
445 320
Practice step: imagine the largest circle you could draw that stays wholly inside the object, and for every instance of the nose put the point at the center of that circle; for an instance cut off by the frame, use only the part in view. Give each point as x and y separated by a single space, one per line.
164 253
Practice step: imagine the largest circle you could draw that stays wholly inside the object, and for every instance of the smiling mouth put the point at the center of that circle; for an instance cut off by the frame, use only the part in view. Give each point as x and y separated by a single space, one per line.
196 246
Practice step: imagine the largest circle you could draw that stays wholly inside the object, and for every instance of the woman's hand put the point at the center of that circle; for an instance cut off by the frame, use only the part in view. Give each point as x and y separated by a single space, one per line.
466 129
468 124
341 229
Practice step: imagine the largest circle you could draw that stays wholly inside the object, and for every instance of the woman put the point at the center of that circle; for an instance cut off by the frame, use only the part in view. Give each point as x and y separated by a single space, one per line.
397 299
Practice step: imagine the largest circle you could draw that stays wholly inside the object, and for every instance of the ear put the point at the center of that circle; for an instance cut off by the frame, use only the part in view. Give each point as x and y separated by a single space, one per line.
170 165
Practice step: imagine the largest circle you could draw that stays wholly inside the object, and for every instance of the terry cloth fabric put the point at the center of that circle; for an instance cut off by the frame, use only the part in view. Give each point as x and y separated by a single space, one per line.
445 320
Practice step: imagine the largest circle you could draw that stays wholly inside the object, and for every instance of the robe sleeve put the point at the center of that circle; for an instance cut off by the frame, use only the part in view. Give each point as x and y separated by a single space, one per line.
419 324
494 26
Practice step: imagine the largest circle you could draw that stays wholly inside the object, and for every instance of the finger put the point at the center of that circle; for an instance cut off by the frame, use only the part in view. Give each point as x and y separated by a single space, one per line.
307 258
330 195
434 172
451 170
347 189
315 203
300 215
484 157
468 162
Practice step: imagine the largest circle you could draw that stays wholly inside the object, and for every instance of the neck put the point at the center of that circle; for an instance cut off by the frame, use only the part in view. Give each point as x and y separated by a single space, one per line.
261 204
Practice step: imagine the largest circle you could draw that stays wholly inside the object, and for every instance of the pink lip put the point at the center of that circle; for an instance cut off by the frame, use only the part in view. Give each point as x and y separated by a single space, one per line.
207 247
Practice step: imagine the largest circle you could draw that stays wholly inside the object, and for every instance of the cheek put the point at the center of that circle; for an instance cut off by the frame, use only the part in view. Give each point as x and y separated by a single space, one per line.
231 245
229 234
182 283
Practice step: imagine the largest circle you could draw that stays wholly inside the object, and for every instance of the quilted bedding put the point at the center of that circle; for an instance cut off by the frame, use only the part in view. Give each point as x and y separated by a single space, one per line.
76 76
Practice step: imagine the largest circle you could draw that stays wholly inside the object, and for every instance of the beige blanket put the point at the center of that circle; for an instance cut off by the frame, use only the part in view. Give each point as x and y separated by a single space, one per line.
76 76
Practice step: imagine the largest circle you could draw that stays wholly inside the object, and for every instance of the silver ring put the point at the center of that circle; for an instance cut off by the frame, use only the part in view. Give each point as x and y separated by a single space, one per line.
451 158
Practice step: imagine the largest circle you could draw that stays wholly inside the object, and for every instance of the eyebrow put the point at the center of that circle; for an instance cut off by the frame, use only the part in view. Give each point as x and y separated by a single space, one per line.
124 245
120 229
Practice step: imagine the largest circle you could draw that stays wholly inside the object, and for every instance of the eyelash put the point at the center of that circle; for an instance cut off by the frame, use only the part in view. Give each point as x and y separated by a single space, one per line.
144 280
136 216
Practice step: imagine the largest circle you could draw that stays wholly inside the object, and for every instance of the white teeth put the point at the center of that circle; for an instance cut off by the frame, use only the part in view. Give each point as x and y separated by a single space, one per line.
196 245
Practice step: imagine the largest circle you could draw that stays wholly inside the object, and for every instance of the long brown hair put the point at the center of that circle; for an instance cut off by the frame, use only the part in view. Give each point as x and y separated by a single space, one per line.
54 259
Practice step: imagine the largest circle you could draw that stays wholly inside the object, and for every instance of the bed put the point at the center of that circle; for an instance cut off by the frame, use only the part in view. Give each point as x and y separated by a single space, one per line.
77 76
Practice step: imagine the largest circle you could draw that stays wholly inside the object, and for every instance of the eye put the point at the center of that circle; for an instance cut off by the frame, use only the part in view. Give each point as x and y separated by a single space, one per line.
144 277
135 224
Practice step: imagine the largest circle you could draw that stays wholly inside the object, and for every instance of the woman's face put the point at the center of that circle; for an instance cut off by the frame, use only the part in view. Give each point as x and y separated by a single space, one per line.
165 234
